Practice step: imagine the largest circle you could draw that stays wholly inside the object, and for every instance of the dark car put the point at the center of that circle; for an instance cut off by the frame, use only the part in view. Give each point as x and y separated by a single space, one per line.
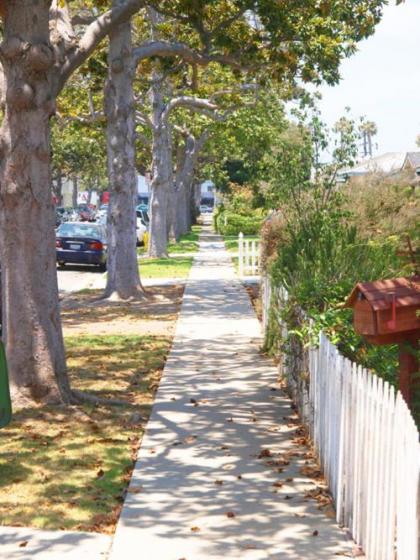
81 243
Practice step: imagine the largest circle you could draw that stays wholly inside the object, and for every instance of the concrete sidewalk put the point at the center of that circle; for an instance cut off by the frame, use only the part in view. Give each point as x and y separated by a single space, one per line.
22 543
218 475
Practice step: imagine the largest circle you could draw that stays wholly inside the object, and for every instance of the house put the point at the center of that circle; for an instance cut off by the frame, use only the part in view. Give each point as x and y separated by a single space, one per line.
207 193
390 163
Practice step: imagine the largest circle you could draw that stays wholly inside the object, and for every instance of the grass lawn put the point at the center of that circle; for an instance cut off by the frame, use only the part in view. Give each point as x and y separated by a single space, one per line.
68 467
173 267
187 244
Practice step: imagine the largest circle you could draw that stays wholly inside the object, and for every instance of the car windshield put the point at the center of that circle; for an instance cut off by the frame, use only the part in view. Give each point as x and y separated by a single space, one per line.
78 230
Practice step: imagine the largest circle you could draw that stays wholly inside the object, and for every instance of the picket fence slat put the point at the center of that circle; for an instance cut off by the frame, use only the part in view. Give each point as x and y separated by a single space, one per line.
367 445
248 256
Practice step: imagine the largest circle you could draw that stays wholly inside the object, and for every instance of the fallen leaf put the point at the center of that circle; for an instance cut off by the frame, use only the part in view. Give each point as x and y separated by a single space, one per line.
264 453
23 543
315 533
100 473
218 482
278 484
190 439
230 514
195 529
135 489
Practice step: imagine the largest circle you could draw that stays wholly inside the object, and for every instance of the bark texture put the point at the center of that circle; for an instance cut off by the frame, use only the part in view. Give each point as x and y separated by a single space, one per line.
162 175
185 181
31 319
123 280
75 191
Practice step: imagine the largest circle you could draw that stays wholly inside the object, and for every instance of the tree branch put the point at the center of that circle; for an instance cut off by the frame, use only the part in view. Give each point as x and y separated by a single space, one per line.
143 119
189 102
80 19
94 34
167 49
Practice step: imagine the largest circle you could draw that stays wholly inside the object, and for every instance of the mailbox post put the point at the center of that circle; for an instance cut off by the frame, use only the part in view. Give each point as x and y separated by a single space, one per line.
387 312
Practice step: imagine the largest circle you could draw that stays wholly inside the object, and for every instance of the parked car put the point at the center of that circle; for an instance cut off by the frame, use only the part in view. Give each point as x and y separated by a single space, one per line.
81 243
204 209
102 211
62 215
142 213
86 214
141 231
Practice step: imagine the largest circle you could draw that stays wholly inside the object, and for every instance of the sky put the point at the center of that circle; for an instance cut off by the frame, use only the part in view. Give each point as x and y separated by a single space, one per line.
382 80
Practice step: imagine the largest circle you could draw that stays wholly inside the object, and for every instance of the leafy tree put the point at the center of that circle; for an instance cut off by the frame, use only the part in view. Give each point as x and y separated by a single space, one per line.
42 49
39 53
368 129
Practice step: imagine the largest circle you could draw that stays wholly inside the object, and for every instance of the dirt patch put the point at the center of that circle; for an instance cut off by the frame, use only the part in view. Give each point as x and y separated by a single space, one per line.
85 314
253 291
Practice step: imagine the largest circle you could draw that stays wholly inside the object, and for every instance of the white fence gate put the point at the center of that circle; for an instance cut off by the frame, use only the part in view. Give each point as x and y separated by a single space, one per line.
368 447
249 256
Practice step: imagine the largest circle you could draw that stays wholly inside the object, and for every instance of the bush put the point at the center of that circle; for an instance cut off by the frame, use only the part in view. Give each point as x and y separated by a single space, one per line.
320 256
228 223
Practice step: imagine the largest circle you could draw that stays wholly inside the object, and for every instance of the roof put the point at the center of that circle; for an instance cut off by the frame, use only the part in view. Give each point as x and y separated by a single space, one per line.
414 159
388 163
380 293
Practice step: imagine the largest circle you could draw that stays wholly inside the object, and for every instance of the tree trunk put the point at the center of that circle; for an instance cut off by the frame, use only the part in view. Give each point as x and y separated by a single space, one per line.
123 280
173 233
195 197
186 211
184 179
58 191
162 176
31 317
75 191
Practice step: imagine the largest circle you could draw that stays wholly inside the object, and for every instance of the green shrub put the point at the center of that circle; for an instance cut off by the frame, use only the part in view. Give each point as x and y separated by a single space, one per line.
233 224
321 256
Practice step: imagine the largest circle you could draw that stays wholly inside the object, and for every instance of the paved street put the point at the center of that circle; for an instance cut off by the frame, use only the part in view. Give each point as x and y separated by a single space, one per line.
74 278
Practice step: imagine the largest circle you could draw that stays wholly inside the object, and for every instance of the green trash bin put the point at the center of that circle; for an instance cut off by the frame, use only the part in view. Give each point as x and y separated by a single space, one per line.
5 402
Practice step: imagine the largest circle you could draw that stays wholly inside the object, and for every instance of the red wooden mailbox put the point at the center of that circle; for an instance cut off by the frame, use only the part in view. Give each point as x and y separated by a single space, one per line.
387 312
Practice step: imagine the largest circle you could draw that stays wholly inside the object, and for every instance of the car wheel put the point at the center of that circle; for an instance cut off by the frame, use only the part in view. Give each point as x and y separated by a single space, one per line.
61 265
102 267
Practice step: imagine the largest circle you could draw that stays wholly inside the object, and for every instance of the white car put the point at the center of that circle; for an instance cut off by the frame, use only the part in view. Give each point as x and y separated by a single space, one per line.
141 230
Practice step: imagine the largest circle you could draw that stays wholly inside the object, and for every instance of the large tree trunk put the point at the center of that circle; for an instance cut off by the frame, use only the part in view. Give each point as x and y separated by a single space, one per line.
162 176
123 280
31 318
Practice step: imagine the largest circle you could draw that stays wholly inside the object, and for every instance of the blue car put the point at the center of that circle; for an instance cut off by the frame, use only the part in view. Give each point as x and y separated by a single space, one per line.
81 243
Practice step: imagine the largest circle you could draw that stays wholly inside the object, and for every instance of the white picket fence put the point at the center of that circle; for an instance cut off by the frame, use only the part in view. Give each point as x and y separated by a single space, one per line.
249 256
368 447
